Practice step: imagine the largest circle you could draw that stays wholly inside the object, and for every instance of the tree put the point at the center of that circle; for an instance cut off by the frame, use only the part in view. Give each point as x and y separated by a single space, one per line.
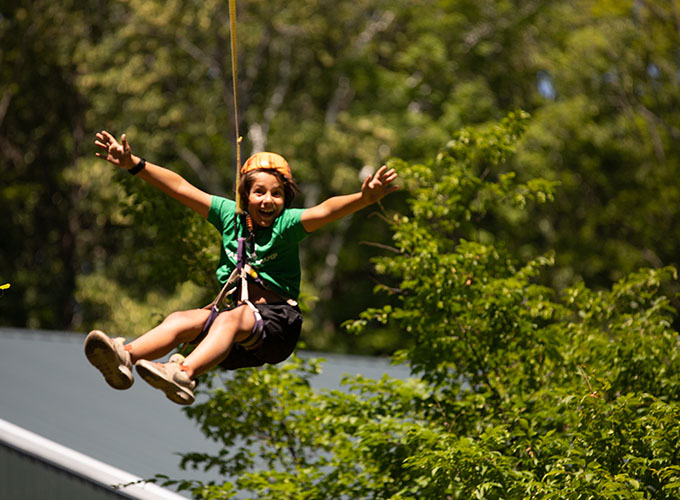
607 131
293 99
518 391
41 132
338 88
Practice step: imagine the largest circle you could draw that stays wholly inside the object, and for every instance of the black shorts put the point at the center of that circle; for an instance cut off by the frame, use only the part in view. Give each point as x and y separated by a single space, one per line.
281 331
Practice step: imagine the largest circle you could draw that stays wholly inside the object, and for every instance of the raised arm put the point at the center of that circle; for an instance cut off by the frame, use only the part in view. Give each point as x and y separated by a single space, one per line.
373 189
171 183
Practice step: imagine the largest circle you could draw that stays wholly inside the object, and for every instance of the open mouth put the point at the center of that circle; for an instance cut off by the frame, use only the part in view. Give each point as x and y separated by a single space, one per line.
266 214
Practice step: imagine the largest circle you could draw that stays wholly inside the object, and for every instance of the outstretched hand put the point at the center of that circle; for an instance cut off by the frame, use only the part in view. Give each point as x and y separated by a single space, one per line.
115 152
379 185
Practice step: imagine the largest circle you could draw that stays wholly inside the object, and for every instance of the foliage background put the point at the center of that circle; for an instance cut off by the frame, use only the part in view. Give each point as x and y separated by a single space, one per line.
526 270
338 88
516 392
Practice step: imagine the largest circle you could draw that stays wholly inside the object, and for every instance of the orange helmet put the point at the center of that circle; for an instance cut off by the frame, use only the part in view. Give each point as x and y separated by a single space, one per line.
267 161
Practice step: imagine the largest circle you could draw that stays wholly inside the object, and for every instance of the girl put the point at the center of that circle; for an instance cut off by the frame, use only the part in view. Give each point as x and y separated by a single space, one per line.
263 329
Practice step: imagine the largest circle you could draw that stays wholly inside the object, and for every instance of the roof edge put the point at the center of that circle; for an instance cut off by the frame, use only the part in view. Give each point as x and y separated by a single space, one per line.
81 465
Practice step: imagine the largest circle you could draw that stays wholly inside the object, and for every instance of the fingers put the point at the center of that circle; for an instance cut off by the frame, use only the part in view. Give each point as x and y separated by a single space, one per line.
384 176
110 146
389 176
103 144
104 139
380 184
108 136
383 172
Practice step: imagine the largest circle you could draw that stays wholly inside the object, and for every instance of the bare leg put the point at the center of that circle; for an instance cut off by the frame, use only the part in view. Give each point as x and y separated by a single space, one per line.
228 327
178 327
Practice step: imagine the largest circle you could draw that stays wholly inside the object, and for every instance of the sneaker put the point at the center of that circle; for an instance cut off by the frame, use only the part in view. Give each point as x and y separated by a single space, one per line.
110 357
169 378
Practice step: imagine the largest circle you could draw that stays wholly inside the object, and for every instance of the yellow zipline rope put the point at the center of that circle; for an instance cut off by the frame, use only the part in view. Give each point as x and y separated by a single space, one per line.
234 78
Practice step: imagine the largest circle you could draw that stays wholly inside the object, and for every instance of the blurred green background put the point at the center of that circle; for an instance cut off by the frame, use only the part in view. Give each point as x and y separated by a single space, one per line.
338 87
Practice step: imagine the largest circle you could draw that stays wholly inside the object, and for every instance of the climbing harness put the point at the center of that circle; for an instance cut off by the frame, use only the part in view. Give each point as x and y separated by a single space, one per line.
238 280
243 272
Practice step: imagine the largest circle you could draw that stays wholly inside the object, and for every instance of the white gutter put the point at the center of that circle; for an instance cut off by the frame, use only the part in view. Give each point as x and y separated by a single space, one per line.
80 464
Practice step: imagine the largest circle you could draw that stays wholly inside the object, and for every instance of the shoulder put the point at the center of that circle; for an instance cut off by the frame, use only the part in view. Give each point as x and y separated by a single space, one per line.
290 217
290 221
221 204
221 209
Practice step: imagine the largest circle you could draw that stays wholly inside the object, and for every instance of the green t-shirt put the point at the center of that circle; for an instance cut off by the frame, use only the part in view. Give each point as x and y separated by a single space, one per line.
277 256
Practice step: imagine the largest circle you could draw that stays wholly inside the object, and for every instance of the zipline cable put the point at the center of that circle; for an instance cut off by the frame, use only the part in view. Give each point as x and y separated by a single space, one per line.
234 78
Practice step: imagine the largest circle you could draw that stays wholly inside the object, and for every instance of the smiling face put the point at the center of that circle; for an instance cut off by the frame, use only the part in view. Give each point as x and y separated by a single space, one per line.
266 199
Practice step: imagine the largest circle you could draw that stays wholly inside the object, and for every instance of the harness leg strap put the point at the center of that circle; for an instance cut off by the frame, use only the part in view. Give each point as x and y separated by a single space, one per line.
214 311
257 335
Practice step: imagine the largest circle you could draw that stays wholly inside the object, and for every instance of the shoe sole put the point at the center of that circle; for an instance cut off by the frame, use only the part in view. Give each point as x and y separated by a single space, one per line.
175 393
101 355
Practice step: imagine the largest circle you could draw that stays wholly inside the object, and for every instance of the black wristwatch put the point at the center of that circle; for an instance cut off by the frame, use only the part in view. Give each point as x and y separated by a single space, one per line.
135 170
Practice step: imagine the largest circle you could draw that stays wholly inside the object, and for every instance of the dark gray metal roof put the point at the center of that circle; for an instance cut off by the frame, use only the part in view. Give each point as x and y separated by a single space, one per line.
33 467
48 388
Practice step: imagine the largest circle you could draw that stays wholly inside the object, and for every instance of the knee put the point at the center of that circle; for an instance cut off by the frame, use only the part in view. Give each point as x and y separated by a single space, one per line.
224 320
185 324
238 320
177 318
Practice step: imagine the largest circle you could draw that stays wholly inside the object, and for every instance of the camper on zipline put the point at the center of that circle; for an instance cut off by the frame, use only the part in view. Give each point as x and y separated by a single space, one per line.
259 264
